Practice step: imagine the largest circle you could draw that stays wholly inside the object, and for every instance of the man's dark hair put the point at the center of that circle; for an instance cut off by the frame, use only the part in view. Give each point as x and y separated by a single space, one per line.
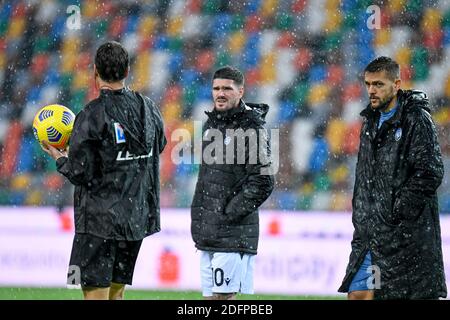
230 73
384 64
111 61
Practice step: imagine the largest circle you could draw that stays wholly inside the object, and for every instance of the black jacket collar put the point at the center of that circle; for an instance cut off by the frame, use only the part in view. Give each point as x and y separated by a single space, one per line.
113 92
228 115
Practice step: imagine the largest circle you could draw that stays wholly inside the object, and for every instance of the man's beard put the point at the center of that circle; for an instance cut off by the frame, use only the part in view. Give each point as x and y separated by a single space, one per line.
384 106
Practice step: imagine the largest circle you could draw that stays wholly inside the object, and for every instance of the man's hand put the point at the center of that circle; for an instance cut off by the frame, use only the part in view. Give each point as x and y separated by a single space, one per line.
54 152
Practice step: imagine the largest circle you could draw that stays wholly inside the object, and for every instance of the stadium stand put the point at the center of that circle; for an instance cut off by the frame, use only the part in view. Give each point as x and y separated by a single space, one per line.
302 57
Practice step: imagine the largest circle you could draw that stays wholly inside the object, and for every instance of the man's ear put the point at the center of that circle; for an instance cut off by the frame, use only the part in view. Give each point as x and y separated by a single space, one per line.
127 71
397 84
241 91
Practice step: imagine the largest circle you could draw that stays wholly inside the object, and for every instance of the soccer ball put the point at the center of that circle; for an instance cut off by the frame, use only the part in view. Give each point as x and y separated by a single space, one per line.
54 123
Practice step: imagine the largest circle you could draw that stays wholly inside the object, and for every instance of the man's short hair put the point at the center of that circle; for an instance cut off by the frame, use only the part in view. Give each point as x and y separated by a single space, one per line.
230 73
384 64
111 61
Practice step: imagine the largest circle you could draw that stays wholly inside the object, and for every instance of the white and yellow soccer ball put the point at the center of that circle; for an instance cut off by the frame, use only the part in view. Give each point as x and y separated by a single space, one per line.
54 123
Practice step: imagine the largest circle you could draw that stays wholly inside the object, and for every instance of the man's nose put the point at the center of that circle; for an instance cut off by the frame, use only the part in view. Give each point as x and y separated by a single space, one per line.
372 89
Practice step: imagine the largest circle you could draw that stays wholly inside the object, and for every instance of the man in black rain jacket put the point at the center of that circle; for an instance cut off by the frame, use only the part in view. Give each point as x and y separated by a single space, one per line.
230 189
396 247
114 164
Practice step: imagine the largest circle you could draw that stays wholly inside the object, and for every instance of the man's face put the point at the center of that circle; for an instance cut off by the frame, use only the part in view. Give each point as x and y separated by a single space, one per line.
226 94
380 88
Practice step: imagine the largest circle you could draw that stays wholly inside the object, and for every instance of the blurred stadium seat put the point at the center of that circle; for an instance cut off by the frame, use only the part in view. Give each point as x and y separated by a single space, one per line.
302 57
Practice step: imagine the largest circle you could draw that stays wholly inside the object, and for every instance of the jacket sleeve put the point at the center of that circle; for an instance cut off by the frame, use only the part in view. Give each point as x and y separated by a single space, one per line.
358 242
259 180
427 170
79 166
161 138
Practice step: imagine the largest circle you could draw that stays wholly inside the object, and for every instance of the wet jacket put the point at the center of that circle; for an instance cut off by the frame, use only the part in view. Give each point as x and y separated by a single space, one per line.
113 162
224 210
395 205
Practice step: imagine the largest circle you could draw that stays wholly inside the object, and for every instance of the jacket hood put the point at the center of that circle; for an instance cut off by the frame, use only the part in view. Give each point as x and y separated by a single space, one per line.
413 99
260 109
134 118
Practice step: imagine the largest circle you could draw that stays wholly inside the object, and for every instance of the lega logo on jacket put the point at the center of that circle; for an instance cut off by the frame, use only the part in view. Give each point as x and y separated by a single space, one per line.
398 134
120 135
126 156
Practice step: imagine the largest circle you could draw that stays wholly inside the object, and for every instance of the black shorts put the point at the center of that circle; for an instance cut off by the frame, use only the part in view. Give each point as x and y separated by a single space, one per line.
96 262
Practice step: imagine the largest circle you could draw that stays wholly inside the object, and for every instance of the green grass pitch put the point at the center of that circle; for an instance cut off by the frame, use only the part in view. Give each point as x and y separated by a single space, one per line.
75 294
